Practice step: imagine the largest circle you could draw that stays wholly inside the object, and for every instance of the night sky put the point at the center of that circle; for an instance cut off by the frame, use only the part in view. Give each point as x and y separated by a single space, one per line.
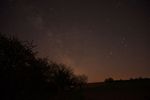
101 39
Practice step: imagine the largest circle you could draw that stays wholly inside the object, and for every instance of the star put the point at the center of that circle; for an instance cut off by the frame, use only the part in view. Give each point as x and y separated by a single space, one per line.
124 41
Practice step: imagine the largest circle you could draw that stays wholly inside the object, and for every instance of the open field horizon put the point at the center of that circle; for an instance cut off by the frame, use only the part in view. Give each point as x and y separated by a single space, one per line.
74 49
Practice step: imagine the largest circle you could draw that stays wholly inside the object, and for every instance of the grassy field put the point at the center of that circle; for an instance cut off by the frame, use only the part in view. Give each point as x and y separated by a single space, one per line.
117 90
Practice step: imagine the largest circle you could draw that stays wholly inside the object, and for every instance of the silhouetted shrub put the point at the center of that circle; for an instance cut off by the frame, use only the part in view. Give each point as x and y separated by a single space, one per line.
23 76
108 80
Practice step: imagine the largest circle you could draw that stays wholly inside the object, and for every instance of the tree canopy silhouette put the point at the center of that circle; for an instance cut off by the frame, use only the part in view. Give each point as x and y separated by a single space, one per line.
23 76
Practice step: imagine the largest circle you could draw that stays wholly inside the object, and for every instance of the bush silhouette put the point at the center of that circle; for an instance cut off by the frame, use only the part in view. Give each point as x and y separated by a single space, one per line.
23 76
109 80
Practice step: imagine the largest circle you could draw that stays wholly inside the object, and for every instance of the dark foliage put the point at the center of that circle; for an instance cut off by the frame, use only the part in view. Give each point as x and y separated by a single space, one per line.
108 80
23 76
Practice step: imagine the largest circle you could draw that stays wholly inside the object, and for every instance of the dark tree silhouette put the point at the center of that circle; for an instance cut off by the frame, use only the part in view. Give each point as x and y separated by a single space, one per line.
109 80
23 76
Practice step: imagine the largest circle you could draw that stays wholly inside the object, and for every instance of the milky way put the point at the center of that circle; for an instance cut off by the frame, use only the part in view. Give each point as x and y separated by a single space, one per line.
105 38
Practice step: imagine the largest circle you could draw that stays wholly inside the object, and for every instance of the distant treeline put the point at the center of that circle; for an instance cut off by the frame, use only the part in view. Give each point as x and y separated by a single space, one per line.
109 80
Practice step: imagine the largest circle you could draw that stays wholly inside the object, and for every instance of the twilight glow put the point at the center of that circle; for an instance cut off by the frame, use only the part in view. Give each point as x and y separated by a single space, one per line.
106 38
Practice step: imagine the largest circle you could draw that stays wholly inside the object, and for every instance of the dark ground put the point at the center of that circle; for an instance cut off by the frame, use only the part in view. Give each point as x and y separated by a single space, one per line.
118 90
